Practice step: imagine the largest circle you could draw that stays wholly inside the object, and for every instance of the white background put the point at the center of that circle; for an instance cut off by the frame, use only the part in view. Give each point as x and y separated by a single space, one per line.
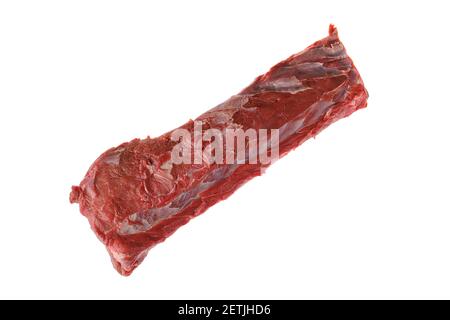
362 211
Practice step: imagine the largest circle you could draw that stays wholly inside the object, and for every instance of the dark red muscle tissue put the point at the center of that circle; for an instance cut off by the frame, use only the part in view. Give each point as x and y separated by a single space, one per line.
134 197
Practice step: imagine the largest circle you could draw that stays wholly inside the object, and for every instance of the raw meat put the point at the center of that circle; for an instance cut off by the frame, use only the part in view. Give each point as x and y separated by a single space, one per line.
135 195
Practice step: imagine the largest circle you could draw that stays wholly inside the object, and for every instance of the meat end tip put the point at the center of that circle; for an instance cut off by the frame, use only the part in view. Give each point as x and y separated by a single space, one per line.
332 30
75 194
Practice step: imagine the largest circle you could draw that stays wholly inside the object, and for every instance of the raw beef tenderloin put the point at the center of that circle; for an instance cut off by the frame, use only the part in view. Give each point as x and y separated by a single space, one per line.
135 195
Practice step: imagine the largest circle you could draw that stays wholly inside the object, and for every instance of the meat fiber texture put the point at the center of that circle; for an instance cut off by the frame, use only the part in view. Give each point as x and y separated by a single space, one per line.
134 196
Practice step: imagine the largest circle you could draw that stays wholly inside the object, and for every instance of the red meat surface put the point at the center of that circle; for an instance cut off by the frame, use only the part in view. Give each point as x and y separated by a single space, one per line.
135 196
